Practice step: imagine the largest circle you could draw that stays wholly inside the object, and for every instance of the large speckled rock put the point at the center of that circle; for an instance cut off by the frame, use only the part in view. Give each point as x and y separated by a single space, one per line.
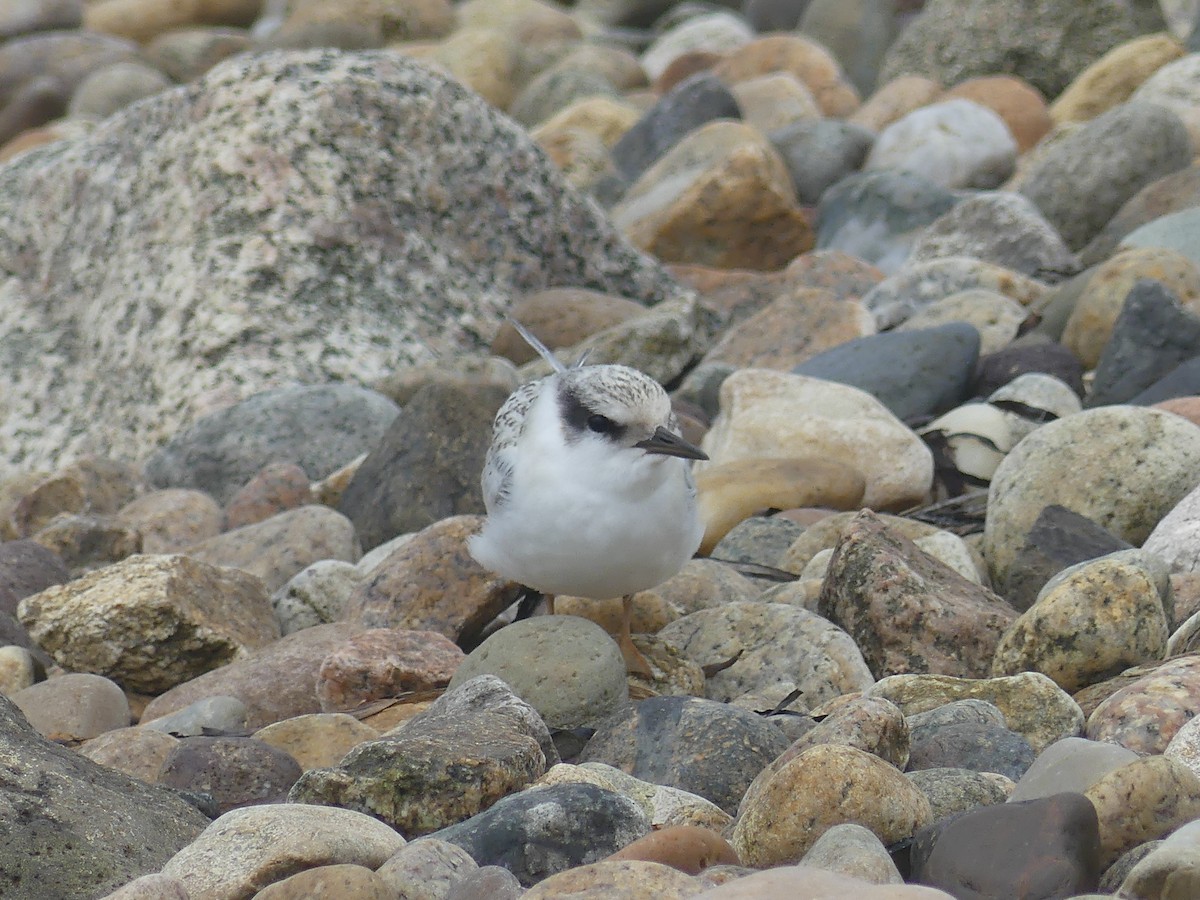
473 746
1033 705
96 828
880 586
952 40
1173 866
1090 621
247 261
617 877
1070 462
247 849
152 622
770 414
822 787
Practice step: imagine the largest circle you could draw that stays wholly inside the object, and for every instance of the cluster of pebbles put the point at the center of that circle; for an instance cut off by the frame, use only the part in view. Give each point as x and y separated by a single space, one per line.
924 282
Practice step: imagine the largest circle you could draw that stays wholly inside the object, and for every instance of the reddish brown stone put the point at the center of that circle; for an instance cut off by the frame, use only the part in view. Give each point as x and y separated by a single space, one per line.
385 662
277 488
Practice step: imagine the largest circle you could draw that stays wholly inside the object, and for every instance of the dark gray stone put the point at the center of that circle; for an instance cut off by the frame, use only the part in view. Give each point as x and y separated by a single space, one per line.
821 152
72 828
544 831
969 745
234 771
1153 335
1059 538
426 466
319 427
1082 180
1182 381
876 216
1037 848
27 567
997 369
683 109
709 748
913 373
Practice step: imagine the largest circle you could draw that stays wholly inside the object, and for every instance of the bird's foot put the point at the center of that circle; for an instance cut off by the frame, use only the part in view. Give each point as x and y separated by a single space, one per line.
635 662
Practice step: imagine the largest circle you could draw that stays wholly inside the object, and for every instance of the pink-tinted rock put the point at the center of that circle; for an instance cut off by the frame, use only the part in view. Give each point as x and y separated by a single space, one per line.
277 488
385 662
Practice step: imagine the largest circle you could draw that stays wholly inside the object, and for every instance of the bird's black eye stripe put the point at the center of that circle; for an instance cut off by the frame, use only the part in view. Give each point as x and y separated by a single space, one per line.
579 418
602 424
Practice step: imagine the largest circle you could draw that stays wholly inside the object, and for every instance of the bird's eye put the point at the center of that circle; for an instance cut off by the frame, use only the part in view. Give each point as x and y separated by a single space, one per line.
601 424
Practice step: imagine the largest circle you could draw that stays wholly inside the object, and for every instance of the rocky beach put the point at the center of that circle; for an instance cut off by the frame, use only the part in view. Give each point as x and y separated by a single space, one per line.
922 280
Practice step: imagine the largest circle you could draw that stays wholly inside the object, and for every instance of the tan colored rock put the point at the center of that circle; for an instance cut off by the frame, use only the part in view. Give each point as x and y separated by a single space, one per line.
283 545
139 752
1185 407
385 20
317 740
1091 322
603 117
1113 78
561 317
733 491
1092 621
616 878
74 707
803 57
996 317
774 100
485 60
343 881
722 196
822 787
1143 801
688 848
780 415
187 53
795 326
140 20
17 670
152 622
172 519
895 100
1013 99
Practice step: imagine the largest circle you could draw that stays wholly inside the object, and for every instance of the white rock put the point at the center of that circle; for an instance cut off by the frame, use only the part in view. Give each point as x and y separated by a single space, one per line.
718 32
1176 538
955 143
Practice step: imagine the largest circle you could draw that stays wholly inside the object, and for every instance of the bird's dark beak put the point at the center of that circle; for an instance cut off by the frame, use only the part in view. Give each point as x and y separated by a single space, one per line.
667 443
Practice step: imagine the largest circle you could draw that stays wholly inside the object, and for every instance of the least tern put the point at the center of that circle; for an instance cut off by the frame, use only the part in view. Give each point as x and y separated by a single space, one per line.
588 488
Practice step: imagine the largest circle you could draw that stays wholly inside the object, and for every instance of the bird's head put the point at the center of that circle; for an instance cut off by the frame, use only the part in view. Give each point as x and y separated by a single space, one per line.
623 407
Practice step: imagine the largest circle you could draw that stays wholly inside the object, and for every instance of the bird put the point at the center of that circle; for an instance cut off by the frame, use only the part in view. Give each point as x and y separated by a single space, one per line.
588 488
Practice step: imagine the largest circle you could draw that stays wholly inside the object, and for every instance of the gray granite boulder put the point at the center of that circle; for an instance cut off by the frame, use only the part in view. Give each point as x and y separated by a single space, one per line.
291 217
